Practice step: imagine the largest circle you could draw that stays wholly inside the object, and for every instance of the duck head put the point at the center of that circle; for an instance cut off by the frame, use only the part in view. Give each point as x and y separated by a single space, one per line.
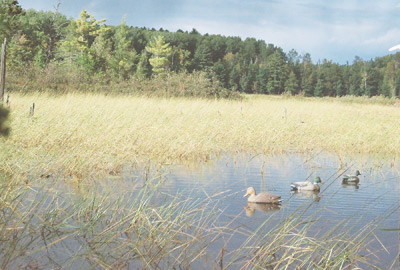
250 191
318 180
358 173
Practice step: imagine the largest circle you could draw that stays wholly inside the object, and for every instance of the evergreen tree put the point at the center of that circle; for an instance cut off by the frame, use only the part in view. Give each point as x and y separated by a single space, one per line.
276 72
291 84
262 78
143 69
161 52
234 78
10 11
203 56
339 89
319 88
76 47
124 57
389 80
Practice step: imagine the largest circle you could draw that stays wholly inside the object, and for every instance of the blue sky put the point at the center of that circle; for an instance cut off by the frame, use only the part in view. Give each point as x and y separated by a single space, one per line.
336 30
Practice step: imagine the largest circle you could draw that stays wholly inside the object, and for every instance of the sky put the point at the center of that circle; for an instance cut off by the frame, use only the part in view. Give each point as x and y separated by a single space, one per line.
337 30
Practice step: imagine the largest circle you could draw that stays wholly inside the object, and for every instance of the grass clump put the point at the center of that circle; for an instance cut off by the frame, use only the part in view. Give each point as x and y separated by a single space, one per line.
47 225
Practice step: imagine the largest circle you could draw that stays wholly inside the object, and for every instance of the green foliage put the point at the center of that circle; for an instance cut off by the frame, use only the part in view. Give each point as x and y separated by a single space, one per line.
89 51
87 29
10 11
291 84
276 74
143 69
161 51
124 56
43 30
203 56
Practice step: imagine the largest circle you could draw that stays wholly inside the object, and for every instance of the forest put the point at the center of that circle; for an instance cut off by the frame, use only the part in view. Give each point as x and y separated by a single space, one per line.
47 44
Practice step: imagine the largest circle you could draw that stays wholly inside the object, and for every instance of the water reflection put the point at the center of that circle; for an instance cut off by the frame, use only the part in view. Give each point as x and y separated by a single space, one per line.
354 186
276 173
218 185
306 194
251 208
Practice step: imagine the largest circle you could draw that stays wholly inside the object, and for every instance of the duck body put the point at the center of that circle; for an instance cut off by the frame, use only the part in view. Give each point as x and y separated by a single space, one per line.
351 179
307 185
263 197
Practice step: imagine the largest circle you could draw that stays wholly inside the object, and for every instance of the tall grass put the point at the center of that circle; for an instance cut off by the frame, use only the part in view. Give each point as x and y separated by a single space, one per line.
300 243
50 224
92 134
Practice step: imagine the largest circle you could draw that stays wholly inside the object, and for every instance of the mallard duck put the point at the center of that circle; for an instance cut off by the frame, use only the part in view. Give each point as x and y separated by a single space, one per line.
263 197
351 179
307 185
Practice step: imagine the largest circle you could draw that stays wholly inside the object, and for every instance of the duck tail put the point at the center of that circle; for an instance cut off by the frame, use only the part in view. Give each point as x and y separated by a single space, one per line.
294 187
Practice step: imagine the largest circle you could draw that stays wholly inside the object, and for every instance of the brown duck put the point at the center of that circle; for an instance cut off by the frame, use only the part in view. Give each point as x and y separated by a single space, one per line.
263 197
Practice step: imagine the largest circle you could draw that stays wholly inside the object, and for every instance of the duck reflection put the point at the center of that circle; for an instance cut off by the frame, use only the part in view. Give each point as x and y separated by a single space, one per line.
251 208
308 195
351 185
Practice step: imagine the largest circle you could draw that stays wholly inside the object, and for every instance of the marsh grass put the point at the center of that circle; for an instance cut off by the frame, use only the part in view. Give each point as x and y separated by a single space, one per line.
55 212
301 242
50 224
87 135
46 225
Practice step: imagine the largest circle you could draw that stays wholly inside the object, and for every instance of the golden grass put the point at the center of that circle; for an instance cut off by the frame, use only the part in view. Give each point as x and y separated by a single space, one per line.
92 134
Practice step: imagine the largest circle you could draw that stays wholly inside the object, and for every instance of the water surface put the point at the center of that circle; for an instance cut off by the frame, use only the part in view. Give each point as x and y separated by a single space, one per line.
374 200
60 234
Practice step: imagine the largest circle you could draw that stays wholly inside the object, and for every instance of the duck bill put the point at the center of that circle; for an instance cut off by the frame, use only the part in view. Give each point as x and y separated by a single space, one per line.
246 194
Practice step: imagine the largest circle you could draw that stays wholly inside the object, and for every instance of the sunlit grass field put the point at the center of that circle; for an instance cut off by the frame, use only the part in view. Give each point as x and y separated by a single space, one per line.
92 134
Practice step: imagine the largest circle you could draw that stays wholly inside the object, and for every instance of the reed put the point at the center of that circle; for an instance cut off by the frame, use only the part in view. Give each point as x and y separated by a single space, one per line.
104 224
48 224
86 135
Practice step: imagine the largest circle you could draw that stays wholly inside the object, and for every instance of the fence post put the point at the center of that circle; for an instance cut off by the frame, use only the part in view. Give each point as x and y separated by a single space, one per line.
3 70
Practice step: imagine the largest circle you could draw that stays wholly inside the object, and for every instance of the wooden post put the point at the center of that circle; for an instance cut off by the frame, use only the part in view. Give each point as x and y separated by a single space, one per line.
32 109
3 70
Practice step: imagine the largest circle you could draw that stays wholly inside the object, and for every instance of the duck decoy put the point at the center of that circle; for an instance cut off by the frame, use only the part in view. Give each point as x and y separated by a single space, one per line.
263 197
351 179
307 185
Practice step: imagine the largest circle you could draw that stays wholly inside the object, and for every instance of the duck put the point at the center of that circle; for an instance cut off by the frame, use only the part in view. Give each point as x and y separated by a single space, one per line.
351 179
263 197
307 185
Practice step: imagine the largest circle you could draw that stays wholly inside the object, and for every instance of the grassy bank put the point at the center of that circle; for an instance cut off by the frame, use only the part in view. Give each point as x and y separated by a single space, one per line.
87 134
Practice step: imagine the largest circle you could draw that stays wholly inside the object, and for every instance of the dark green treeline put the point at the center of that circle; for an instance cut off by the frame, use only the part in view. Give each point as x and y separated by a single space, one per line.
120 53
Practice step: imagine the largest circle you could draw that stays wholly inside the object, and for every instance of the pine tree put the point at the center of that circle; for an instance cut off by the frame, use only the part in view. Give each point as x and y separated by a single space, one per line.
319 88
124 57
161 51
291 84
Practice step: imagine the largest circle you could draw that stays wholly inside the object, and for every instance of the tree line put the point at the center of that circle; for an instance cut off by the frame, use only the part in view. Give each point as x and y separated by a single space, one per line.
121 53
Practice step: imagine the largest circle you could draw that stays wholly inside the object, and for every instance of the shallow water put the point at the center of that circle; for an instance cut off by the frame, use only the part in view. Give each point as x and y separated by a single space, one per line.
377 195
223 183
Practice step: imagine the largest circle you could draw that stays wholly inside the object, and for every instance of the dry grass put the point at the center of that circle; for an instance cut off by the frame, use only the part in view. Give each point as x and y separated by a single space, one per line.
92 134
